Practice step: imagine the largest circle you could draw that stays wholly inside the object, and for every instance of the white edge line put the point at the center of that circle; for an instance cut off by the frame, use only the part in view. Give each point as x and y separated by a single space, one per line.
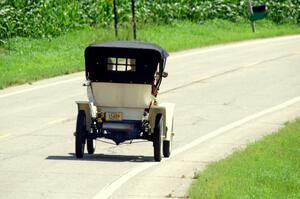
108 190
194 52
207 49
40 87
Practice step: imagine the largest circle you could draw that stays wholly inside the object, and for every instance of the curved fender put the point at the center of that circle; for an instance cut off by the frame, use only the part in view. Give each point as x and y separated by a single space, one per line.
170 107
87 108
167 110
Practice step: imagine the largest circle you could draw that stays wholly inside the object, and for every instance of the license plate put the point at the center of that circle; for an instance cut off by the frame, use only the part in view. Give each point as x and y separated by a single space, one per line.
113 116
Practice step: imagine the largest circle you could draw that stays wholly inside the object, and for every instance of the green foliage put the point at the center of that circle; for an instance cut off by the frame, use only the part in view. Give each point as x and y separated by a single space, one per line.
48 18
31 59
269 168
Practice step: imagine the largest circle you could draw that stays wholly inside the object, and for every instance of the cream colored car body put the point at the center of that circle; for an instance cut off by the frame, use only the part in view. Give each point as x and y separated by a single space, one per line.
131 100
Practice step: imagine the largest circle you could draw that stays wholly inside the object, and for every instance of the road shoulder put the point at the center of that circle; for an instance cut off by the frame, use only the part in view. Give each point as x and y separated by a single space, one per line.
172 178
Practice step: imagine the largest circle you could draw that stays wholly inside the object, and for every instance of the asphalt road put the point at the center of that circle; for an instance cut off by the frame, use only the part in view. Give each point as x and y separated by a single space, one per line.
225 96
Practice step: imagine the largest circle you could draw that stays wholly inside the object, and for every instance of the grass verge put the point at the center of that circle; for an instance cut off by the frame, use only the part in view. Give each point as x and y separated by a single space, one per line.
269 168
24 60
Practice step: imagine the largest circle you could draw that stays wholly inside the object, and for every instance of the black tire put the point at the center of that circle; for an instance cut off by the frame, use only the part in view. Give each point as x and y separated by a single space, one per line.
167 148
80 134
157 142
90 143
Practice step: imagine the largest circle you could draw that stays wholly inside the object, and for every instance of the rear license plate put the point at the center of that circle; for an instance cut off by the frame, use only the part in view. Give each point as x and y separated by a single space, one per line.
113 116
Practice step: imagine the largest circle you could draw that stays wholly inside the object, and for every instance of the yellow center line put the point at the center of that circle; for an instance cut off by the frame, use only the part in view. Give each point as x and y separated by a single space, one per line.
57 121
60 120
4 136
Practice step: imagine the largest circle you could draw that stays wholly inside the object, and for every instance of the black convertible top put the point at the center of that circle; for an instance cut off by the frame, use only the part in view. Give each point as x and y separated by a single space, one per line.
138 45
124 62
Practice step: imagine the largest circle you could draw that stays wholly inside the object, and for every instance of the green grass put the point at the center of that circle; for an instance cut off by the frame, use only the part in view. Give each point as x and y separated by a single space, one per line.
25 60
269 168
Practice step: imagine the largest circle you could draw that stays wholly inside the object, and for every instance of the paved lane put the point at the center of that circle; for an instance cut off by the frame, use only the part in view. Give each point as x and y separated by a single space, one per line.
212 87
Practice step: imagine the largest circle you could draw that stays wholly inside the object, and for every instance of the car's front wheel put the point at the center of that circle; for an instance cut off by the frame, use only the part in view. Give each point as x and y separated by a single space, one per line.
157 141
167 144
167 148
91 145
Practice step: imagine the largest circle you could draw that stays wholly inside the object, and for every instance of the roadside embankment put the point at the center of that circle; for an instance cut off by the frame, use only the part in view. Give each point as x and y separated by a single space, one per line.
269 168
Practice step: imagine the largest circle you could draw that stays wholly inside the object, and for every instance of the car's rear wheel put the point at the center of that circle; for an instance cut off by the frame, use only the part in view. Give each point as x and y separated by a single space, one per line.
157 142
80 134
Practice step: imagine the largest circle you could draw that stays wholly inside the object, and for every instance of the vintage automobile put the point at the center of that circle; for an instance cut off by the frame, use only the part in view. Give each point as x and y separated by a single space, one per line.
123 80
